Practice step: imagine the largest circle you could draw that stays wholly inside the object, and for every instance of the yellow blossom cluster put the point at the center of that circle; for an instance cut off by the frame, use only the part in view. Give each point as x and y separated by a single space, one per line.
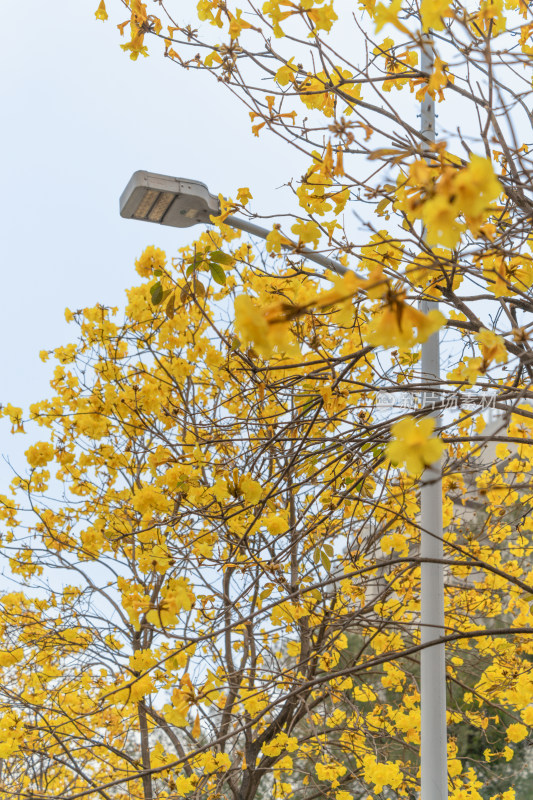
440 197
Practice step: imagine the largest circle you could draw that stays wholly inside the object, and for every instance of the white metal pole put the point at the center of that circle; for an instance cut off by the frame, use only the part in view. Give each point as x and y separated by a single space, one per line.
433 755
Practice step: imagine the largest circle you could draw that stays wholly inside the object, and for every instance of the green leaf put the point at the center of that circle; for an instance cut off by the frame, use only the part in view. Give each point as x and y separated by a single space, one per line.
169 310
158 272
218 274
326 563
221 258
196 262
316 555
156 293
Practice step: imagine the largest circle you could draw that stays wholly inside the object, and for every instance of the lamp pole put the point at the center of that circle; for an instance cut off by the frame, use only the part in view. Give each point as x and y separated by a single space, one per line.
433 743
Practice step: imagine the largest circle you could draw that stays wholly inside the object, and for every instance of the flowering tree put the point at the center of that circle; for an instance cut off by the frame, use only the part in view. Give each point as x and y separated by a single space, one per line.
223 598
214 537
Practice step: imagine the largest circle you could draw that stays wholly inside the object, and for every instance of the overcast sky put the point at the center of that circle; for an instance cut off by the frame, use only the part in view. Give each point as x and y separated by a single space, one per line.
79 118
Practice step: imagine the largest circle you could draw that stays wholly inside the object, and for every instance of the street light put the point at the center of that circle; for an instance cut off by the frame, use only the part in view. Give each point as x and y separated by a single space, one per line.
177 202
180 202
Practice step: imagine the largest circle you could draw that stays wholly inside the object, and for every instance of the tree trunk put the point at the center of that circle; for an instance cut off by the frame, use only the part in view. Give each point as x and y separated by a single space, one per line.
145 751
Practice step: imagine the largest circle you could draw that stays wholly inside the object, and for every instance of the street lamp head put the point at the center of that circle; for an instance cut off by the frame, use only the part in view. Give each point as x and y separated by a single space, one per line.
181 203
177 202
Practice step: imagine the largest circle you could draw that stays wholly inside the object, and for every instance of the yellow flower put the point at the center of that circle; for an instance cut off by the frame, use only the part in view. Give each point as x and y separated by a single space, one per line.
252 325
237 24
220 490
467 371
132 693
285 74
244 195
413 445
340 199
265 329
12 734
345 288
330 772
176 595
152 258
255 702
439 80
184 785
433 12
395 324
476 186
136 46
389 14
323 18
155 558
439 216
293 649
280 743
492 347
509 795
66 355
307 232
275 240
149 499
142 660
7 658
101 12
15 415
516 732
39 454
508 753
273 10
496 273
394 541
177 712
380 774
275 524
251 490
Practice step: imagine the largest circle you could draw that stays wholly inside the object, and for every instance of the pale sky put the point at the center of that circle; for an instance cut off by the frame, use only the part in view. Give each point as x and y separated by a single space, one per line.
79 118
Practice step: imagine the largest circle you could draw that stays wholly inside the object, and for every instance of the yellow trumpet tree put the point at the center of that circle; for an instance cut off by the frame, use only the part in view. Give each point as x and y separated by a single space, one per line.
222 598
214 546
